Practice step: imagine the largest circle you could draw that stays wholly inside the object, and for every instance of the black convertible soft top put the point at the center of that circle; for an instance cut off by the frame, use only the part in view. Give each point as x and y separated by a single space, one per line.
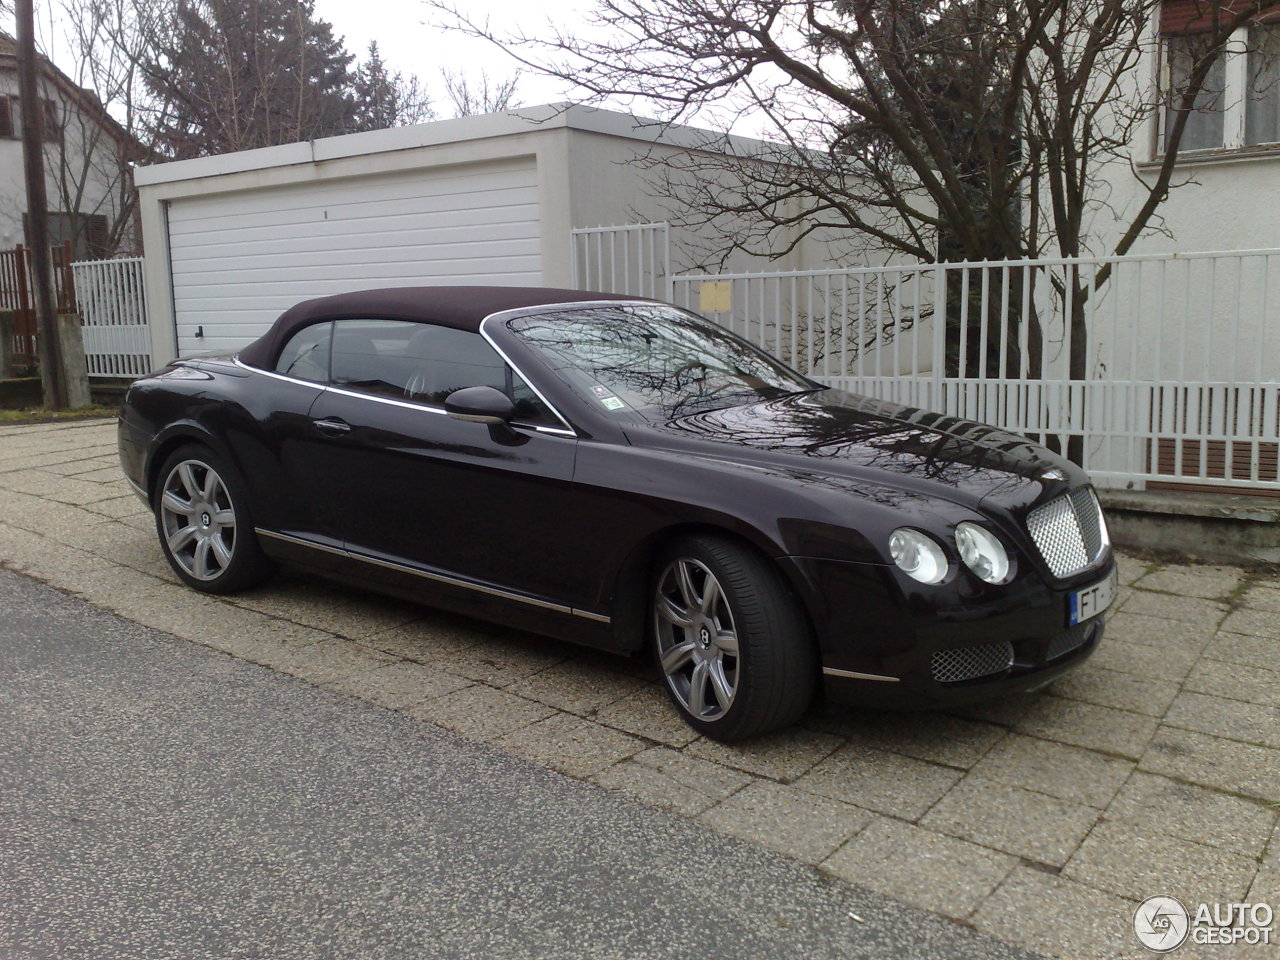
459 307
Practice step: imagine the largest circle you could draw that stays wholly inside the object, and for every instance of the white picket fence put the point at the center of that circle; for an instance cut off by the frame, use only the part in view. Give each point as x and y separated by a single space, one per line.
111 298
1176 378
634 259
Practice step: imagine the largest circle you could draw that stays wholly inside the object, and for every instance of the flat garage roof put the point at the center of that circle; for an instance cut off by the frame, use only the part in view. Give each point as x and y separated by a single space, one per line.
523 121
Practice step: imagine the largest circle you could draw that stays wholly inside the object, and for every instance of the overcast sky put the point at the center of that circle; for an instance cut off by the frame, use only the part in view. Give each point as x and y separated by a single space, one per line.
410 40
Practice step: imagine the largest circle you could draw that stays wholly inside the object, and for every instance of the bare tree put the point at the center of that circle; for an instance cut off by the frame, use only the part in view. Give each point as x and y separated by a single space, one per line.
472 94
88 115
92 134
962 130
916 124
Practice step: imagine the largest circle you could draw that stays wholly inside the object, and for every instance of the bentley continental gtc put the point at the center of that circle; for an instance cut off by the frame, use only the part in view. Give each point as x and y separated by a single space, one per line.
627 475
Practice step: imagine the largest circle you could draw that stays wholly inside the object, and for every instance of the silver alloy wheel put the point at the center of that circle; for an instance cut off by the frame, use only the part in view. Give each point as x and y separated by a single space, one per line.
198 519
697 639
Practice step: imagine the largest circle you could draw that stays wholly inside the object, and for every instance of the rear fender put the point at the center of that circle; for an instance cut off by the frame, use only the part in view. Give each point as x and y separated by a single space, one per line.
176 435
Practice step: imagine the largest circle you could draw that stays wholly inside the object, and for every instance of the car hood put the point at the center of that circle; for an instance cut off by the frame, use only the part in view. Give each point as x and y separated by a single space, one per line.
835 433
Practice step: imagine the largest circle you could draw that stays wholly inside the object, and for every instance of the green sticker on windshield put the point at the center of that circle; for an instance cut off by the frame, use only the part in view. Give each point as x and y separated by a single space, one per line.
612 403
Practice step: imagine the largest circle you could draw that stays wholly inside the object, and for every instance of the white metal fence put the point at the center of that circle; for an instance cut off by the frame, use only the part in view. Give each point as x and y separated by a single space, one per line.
1151 370
632 259
111 297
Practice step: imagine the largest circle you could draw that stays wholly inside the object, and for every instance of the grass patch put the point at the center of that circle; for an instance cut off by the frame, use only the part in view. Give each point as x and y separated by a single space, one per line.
45 415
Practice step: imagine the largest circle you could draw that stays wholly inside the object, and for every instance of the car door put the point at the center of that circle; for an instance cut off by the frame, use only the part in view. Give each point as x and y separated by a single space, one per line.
413 485
278 456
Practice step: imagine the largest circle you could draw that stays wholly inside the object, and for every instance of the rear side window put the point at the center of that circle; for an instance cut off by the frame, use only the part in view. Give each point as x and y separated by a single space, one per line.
423 363
306 355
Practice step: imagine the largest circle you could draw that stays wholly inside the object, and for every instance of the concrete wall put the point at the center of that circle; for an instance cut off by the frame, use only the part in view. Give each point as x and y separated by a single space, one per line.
588 173
612 186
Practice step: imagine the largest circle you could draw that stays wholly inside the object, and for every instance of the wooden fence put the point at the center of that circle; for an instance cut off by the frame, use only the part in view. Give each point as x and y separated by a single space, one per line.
17 294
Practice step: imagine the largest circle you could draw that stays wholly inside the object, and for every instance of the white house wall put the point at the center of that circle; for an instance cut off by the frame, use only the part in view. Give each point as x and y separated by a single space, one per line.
13 191
1216 204
1216 310
1219 200
100 185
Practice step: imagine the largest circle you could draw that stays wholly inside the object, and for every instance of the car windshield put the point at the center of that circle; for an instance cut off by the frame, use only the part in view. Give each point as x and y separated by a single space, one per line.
654 361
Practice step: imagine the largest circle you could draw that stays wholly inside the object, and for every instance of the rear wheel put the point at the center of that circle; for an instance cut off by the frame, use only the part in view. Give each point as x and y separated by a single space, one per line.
731 640
202 518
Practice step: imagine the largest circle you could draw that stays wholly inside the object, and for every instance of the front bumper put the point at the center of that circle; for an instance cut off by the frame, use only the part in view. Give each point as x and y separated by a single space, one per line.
918 690
891 644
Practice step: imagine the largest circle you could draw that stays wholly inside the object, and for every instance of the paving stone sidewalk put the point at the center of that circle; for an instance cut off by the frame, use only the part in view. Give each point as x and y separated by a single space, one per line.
1041 820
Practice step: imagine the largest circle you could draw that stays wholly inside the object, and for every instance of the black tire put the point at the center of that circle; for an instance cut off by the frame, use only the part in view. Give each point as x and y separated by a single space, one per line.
773 674
230 558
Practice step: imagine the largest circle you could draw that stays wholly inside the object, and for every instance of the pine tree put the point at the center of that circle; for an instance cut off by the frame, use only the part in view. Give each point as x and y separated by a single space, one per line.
387 99
237 74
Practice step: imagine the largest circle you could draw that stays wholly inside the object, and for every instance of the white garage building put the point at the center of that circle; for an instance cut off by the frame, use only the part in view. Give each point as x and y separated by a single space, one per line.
233 240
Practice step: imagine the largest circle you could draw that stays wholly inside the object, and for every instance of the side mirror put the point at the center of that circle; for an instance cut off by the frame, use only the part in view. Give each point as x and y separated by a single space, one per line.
480 405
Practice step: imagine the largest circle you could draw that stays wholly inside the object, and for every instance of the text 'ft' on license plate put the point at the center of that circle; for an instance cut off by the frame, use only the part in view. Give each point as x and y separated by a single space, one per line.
1091 601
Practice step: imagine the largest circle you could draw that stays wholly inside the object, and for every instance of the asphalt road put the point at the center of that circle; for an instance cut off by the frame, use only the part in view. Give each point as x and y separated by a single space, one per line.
158 799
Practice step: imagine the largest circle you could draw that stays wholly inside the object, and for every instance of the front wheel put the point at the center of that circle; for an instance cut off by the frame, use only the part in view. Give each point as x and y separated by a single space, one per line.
732 642
202 518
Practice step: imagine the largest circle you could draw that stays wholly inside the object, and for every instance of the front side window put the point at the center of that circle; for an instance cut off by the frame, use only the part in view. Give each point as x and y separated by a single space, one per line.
306 355
1204 129
424 363
654 362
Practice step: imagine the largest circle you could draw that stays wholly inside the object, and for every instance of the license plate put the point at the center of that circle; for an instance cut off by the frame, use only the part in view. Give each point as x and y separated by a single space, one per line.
1091 601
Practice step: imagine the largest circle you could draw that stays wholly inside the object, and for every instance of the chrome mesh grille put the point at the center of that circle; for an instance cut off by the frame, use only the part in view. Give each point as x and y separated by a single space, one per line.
1089 513
1068 531
1068 640
966 663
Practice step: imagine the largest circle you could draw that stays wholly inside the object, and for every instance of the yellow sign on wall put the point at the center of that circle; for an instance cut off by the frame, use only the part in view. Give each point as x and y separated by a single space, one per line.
715 296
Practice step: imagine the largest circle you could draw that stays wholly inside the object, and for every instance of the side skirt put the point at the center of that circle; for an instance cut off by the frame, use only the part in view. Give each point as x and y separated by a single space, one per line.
435 588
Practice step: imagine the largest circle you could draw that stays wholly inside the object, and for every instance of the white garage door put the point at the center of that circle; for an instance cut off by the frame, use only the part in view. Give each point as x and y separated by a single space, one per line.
241 259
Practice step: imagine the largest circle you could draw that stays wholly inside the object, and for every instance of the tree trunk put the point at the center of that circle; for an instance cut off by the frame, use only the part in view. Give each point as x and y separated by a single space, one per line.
1078 368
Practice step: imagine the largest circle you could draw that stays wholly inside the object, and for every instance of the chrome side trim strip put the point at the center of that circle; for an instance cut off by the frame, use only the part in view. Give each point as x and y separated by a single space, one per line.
300 542
854 675
503 354
407 404
436 577
515 312
456 582
279 376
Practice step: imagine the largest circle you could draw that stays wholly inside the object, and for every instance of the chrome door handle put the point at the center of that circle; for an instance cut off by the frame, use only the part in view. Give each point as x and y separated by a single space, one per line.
332 426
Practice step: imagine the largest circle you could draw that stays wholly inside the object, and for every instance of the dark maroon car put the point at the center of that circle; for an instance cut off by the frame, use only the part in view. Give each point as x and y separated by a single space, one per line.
627 475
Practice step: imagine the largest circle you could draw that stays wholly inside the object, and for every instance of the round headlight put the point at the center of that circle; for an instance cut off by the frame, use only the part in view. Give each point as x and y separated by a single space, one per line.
920 556
982 552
